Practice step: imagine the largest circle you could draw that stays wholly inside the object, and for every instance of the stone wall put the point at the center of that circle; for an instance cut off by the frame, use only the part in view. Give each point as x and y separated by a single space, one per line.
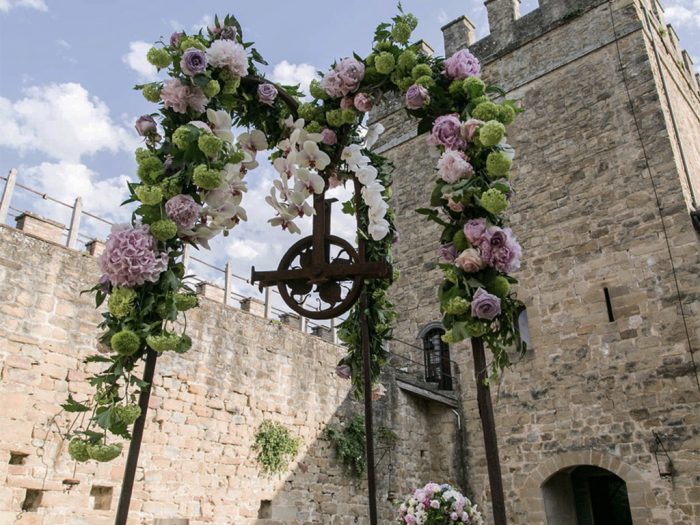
601 202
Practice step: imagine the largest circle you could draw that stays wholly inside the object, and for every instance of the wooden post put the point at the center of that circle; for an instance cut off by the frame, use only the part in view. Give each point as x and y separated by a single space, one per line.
493 463
75 223
228 283
369 423
7 194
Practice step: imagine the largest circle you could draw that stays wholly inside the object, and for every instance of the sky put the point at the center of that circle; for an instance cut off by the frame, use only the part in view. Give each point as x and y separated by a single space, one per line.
67 68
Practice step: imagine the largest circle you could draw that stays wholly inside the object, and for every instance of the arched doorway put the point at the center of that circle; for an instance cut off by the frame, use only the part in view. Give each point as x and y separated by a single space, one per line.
586 495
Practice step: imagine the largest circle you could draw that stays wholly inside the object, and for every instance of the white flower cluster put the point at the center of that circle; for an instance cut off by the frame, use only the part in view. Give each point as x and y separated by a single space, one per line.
298 168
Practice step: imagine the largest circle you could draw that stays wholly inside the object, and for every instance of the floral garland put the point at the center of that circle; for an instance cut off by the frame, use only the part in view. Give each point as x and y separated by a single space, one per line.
438 504
192 174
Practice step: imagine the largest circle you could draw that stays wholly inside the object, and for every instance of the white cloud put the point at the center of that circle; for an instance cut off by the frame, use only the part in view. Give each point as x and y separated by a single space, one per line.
442 17
62 43
39 5
136 60
203 23
292 74
683 13
62 121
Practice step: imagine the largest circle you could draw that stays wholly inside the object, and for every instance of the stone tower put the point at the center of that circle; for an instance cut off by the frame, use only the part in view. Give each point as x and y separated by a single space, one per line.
607 181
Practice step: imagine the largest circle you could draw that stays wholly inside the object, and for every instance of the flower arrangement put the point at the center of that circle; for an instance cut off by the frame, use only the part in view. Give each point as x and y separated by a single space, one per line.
193 176
438 505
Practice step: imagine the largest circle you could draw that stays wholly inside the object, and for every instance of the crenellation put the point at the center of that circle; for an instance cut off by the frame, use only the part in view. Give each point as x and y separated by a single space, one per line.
458 34
502 15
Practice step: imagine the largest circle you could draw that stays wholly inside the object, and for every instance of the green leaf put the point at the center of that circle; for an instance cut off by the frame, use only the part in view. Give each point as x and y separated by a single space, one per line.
97 359
71 405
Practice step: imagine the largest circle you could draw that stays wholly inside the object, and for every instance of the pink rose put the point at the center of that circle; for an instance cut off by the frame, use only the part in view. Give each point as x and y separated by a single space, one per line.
346 103
470 261
417 96
453 166
329 137
454 205
363 102
474 230
468 128
146 125
351 72
446 132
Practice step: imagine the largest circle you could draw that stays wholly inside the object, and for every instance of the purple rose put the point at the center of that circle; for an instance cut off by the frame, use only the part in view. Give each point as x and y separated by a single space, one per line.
267 93
446 132
176 37
462 65
344 79
343 371
417 97
146 126
363 102
332 84
474 230
485 305
193 62
329 137
500 249
447 252
131 257
183 211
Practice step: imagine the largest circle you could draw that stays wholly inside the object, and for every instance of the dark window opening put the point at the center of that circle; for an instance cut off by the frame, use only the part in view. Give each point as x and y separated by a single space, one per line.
436 355
18 458
522 330
608 305
32 500
265 509
101 497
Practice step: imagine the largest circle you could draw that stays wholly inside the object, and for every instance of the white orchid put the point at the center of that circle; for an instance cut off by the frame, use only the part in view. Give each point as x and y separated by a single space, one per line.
353 157
253 142
366 174
312 156
372 135
200 125
286 224
313 182
221 123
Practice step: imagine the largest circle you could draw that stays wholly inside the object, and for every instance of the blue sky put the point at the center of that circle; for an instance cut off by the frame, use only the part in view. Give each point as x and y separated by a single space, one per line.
67 68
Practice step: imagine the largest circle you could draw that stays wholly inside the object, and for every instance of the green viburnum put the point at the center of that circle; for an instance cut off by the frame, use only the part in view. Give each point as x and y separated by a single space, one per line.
185 301
158 57
235 157
421 70
448 337
150 170
104 453
456 88
491 133
317 91
121 302
476 328
383 46
486 111
127 414
206 178
499 287
163 342
151 92
411 20
184 136
142 154
425 81
506 114
189 42
498 165
460 241
125 342
493 201
149 195
184 344
170 187
231 86
451 274
334 118
474 87
163 229
307 111
401 32
407 60
211 89
405 83
313 127
77 449
385 62
457 306
348 115
369 61
210 144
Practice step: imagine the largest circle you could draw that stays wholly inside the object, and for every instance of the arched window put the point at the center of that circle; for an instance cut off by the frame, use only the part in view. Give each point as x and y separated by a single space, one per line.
523 328
436 355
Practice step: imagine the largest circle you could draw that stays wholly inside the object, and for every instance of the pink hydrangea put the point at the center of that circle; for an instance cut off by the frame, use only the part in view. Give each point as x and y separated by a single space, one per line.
130 257
183 211
462 65
446 132
177 96
345 78
453 166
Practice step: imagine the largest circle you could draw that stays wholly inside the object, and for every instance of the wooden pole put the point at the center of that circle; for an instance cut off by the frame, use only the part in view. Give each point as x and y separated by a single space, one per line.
493 463
369 424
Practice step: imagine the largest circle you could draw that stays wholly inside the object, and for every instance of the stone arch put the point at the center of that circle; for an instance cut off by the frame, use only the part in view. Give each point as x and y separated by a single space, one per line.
638 487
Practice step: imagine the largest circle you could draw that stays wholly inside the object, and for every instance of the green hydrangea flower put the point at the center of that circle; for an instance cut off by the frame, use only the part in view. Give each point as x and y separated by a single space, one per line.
307 111
499 287
209 144
149 195
184 136
372 76
451 274
189 42
151 92
460 241
235 157
474 87
448 337
410 20
493 201
121 302
486 111
231 86
407 60
142 154
313 127
104 453
317 91
211 89
425 81
456 88
163 343
127 414
457 306
401 32
369 61
421 70
170 187
383 46
480 100
385 62
491 133
158 57
334 118
77 449
348 116
185 301
150 170
206 178
125 342
476 328
506 114
498 165
405 83
164 229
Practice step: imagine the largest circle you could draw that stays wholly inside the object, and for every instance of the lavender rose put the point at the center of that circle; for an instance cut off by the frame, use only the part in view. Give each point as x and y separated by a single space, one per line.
146 126
417 96
183 211
446 132
470 261
329 136
500 249
176 37
474 230
363 102
267 93
193 62
447 252
485 305
462 65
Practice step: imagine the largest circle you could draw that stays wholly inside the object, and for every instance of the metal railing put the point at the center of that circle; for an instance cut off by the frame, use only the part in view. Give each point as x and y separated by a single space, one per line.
226 281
